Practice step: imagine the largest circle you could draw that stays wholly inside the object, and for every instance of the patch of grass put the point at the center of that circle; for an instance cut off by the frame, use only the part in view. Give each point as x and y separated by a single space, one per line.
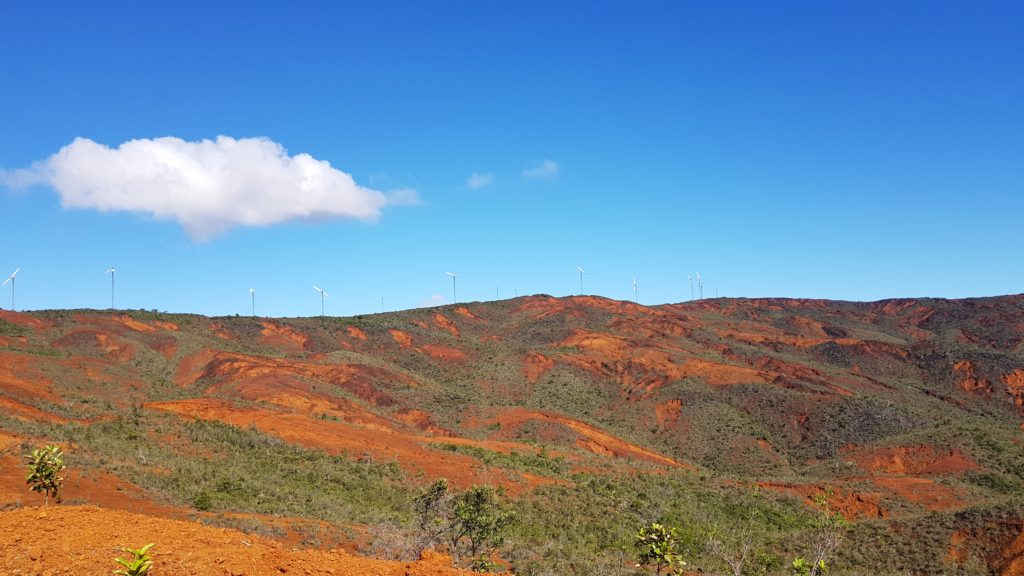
536 462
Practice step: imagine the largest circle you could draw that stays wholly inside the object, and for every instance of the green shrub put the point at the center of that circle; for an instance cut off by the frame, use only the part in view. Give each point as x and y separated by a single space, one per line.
44 468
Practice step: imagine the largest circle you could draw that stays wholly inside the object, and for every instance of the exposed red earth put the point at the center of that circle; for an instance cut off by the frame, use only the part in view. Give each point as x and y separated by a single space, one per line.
86 539
752 387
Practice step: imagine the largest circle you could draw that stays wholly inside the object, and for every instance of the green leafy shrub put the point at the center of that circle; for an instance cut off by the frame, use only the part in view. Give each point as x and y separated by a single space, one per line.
44 468
139 563
658 547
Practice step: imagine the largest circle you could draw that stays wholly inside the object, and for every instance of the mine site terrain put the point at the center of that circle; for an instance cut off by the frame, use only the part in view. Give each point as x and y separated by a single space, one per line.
247 445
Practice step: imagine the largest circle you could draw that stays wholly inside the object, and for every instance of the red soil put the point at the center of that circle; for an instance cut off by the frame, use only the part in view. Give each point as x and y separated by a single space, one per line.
224 368
446 324
589 438
467 313
403 338
923 491
85 540
443 352
274 334
421 421
356 332
535 365
911 461
21 378
668 412
23 411
853 505
23 320
412 452
110 345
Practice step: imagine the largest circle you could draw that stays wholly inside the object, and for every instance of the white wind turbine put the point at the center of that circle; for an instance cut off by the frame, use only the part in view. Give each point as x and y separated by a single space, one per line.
700 287
454 276
323 294
111 271
582 272
690 278
11 280
635 300
252 297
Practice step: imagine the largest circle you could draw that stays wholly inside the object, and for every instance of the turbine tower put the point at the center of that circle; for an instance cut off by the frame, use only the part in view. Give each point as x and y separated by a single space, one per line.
454 276
690 278
323 294
252 297
582 272
11 280
635 300
700 287
111 271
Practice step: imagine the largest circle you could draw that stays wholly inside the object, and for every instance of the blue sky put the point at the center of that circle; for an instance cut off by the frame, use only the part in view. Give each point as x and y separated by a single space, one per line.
844 149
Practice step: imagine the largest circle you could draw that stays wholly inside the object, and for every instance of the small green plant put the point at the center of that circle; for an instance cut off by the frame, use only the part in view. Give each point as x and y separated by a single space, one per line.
658 547
801 567
139 563
44 468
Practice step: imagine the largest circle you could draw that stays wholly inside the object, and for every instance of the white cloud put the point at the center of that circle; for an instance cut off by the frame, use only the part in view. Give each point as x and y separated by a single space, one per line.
477 181
209 186
435 300
546 170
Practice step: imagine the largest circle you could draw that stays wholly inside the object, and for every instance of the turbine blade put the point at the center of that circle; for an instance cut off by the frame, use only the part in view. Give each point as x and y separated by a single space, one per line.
317 288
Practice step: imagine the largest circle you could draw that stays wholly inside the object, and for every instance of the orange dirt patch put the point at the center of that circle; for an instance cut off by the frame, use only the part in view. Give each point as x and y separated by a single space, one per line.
443 352
1014 382
20 377
23 411
23 320
853 505
355 332
445 324
275 334
412 452
911 460
923 491
85 540
668 412
223 368
467 313
108 344
403 338
535 365
420 420
589 438
970 381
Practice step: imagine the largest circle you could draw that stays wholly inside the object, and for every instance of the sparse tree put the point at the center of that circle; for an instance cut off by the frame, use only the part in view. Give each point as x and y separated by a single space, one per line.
734 549
479 521
44 468
469 524
828 535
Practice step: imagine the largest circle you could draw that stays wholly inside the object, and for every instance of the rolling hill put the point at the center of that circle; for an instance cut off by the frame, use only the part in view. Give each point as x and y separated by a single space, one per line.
594 416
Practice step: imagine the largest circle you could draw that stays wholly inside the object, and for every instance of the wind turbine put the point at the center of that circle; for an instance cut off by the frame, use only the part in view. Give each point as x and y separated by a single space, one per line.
252 297
582 272
323 295
690 278
111 271
454 276
635 301
700 287
11 280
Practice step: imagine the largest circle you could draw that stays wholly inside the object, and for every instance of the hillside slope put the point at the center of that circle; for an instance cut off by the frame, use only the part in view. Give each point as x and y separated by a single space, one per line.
905 412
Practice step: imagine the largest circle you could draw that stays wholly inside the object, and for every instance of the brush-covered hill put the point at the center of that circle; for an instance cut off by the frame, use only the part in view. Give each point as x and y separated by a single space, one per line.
593 415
